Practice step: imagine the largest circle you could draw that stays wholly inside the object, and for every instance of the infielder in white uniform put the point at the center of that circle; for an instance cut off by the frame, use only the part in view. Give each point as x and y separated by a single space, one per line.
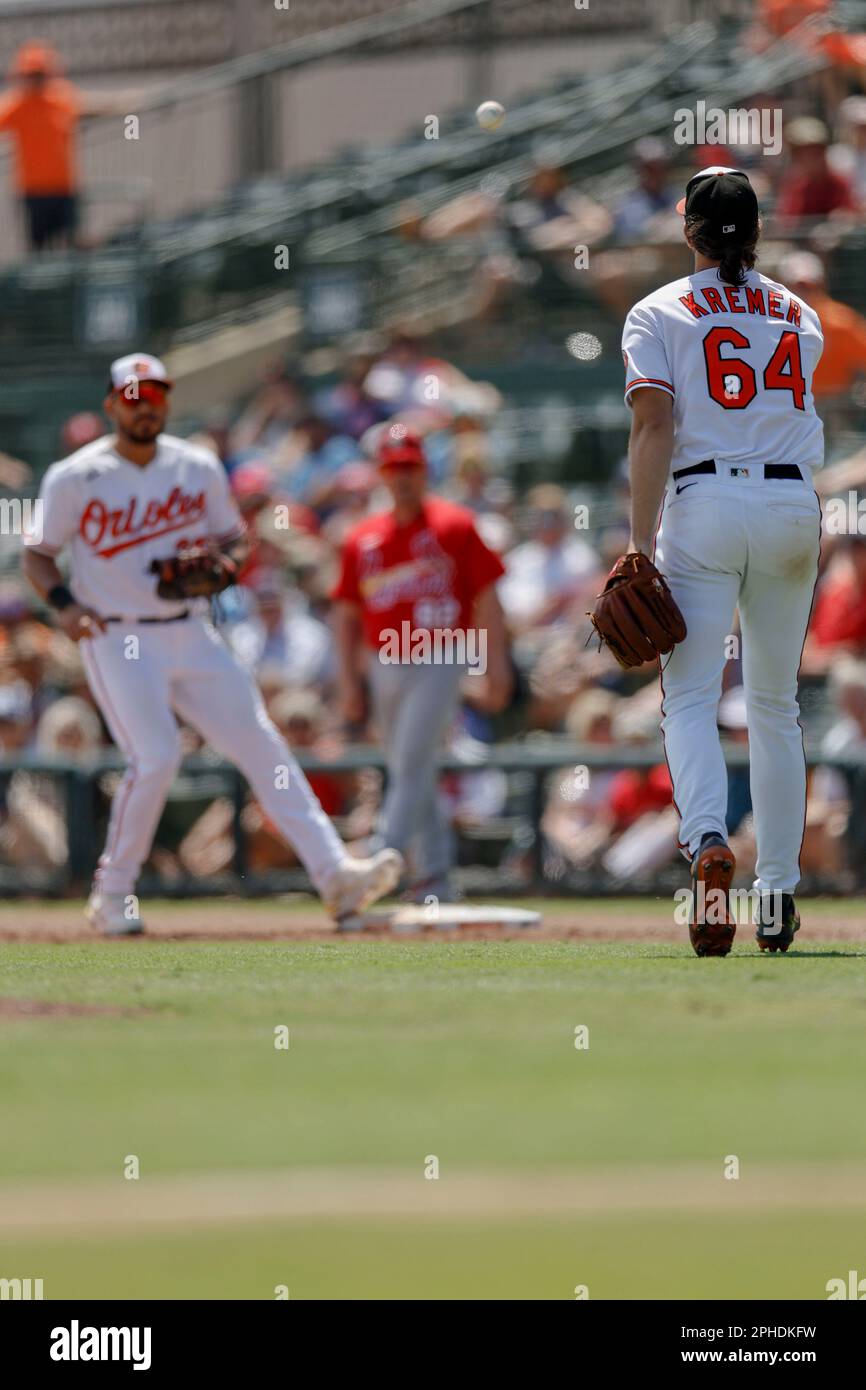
724 439
118 504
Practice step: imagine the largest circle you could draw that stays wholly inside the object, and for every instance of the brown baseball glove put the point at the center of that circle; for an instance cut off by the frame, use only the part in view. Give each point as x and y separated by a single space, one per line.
198 572
635 614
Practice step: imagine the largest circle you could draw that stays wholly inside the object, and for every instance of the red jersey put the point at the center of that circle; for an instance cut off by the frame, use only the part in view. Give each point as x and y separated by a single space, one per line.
839 616
809 195
427 574
634 791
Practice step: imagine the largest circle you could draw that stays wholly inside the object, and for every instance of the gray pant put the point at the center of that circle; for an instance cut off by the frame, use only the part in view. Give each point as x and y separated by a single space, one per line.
413 707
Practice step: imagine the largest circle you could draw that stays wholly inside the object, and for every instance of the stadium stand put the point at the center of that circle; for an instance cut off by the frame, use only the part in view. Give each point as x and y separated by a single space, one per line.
399 253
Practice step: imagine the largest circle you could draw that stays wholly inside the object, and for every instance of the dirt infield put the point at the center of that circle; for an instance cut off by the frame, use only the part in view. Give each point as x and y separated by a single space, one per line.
39 1008
300 920
90 1206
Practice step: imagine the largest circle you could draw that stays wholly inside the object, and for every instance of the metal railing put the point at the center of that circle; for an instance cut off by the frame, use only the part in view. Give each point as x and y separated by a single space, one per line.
528 766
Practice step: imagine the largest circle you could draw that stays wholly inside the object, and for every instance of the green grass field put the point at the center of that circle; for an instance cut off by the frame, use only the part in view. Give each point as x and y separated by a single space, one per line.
305 1168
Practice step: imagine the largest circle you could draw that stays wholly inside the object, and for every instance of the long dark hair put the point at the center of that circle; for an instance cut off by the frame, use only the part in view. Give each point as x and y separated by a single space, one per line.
736 254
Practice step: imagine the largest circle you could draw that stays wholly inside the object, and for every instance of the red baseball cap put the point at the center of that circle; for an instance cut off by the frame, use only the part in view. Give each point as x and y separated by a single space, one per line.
400 446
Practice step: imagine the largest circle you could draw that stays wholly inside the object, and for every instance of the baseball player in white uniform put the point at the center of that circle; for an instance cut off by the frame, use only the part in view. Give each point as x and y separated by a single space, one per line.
724 440
118 504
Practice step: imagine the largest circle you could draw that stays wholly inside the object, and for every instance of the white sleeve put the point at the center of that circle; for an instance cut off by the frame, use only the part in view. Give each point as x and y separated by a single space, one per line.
224 521
643 353
819 334
54 519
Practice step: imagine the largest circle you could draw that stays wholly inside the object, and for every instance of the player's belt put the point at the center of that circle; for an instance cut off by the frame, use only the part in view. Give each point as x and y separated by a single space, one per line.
175 618
771 470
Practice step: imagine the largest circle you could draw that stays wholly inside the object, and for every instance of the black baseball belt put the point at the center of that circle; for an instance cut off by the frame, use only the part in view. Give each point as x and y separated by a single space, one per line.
771 470
175 618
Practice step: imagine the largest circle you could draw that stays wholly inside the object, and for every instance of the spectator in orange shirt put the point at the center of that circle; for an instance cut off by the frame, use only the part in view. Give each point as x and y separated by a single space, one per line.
781 16
844 356
41 116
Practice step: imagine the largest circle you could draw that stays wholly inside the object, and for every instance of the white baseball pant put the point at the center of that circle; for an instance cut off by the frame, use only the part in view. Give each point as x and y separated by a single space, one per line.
727 542
141 675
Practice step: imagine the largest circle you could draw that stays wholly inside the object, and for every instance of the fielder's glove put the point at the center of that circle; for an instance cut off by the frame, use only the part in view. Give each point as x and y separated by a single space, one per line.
198 572
635 614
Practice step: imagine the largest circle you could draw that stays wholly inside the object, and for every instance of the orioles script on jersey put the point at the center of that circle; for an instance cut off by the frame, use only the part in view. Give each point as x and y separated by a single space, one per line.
115 519
742 300
134 524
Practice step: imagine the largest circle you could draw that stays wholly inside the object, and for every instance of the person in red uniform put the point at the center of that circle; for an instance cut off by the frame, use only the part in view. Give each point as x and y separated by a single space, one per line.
416 610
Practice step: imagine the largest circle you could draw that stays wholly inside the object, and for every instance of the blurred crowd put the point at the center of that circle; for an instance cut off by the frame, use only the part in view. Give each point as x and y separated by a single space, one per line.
547 232
299 457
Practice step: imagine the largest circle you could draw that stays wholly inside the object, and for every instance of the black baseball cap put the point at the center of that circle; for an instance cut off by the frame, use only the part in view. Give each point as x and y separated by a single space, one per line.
724 196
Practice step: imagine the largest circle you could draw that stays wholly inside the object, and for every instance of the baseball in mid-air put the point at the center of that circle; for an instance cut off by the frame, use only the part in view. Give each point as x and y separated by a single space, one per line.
490 115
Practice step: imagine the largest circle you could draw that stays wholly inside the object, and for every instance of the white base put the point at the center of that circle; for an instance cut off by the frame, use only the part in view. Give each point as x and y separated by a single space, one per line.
440 917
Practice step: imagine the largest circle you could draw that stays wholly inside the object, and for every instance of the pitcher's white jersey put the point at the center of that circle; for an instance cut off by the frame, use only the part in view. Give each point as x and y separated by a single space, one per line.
116 518
738 363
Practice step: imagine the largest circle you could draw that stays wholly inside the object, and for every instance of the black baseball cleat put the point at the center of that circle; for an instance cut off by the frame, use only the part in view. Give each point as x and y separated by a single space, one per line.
780 921
711 926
